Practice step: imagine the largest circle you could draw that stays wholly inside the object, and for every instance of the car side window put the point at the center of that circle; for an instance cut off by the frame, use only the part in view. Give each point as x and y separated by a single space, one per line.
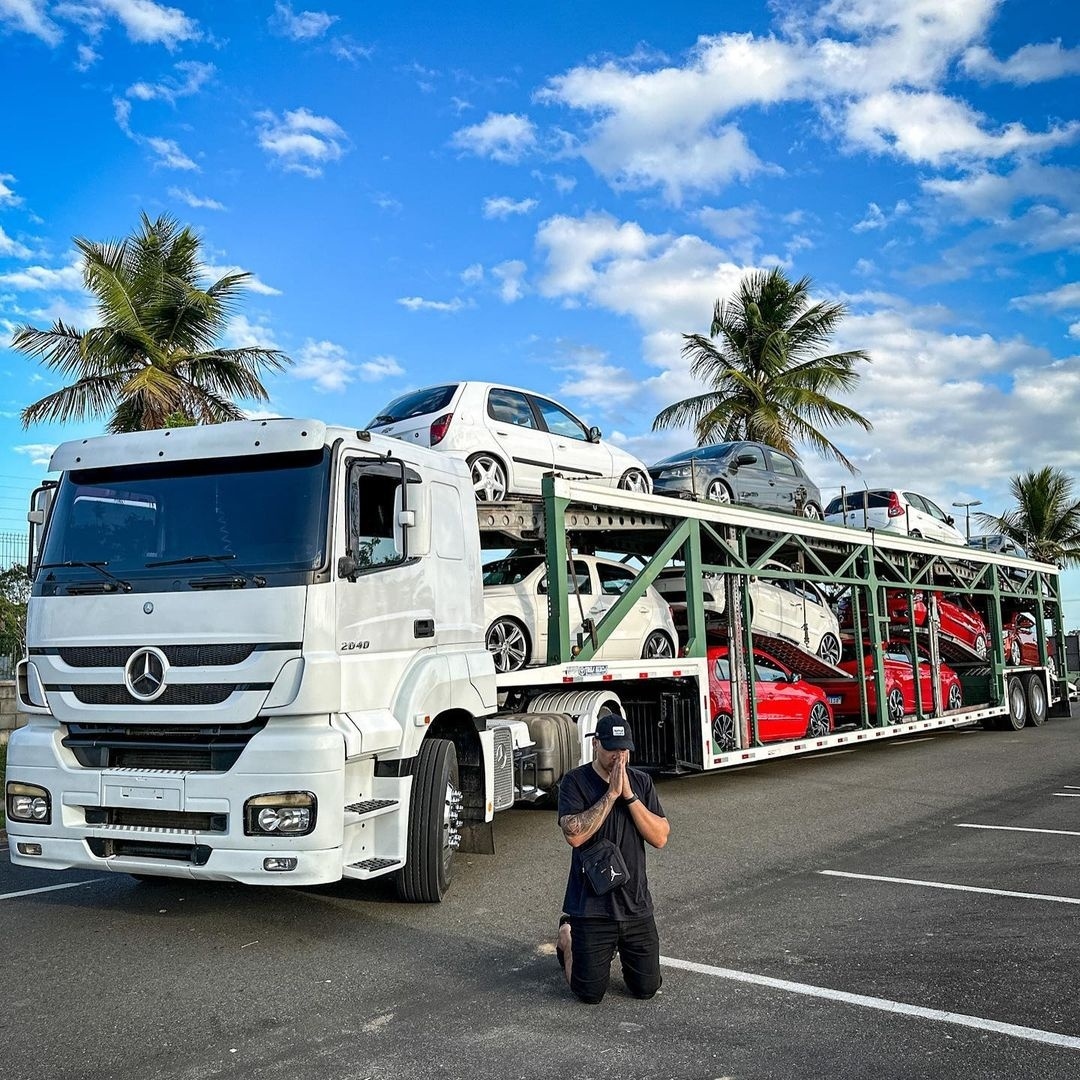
559 422
722 670
916 501
614 580
935 510
755 451
782 464
511 408
767 673
584 582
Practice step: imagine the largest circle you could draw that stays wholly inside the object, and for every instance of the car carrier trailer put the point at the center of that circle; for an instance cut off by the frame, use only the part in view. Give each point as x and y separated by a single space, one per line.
255 652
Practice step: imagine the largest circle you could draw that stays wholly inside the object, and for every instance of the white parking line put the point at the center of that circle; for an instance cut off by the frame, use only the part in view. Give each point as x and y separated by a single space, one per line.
1070 787
1018 828
883 1004
956 888
47 888
1067 794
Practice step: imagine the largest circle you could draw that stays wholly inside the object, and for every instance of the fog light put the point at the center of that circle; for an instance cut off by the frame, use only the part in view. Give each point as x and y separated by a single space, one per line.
284 813
28 803
279 864
29 849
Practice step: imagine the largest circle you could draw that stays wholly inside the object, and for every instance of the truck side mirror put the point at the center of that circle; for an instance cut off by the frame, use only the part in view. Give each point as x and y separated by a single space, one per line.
406 519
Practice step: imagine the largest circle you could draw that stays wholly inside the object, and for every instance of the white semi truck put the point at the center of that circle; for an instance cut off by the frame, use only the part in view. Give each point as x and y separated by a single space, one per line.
256 652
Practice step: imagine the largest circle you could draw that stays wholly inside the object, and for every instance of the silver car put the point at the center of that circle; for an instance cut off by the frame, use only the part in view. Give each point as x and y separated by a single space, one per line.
747 473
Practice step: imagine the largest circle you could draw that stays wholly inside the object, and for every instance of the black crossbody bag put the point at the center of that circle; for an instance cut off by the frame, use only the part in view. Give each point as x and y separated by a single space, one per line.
604 867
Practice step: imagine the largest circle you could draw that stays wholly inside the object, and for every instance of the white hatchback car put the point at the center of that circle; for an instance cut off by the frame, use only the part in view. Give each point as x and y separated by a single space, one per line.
515 605
795 610
509 437
896 511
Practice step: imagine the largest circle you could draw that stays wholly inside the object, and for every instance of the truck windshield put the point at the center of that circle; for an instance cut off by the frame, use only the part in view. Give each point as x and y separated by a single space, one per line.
256 514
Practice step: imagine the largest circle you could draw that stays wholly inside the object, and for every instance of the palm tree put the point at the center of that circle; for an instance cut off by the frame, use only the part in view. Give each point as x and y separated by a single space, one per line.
765 381
153 360
1046 517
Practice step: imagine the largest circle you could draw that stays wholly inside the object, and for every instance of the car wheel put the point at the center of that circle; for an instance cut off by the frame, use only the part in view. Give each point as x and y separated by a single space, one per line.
818 725
488 477
812 512
658 646
718 492
829 649
895 704
508 643
980 646
634 480
723 732
1014 653
956 697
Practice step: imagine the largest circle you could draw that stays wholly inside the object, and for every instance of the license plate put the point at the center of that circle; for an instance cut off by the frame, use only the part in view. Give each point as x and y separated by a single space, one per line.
835 699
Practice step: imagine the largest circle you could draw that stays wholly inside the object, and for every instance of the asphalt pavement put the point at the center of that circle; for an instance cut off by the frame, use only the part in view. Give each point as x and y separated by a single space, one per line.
899 911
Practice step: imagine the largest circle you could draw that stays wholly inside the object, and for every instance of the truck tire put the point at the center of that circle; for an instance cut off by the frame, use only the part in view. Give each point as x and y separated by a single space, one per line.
434 822
1016 699
1037 703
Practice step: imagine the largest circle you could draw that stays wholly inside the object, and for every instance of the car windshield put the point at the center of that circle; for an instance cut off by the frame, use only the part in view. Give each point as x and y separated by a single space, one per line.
511 571
856 500
258 513
701 453
418 403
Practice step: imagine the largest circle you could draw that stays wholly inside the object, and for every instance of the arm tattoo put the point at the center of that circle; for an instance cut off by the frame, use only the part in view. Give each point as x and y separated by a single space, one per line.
588 821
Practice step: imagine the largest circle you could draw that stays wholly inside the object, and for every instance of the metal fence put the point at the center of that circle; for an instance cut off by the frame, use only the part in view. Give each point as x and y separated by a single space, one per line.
12 553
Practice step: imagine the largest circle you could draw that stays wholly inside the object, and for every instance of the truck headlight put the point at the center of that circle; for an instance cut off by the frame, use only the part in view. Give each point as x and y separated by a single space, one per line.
283 813
29 803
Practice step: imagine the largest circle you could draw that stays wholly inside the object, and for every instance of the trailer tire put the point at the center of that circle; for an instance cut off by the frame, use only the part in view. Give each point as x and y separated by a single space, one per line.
1038 705
434 820
1016 699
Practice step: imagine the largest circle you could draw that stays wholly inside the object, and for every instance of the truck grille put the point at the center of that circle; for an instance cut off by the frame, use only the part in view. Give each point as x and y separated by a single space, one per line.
136 818
106 656
203 748
193 854
177 694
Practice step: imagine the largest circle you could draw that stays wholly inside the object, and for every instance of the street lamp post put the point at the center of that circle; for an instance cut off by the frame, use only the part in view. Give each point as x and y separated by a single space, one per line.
966 506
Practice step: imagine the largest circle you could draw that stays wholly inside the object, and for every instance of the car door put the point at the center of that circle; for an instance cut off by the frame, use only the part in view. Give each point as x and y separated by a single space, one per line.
580 594
571 450
626 640
788 486
525 446
751 480
774 712
942 523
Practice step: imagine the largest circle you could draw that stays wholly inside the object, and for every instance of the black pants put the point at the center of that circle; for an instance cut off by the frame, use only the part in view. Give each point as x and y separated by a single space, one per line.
593 943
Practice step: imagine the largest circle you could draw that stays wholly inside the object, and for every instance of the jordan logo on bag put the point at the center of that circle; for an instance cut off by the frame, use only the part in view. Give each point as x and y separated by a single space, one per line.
613 873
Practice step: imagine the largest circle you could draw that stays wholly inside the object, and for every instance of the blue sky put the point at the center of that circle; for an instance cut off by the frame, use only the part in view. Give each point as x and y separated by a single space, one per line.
555 193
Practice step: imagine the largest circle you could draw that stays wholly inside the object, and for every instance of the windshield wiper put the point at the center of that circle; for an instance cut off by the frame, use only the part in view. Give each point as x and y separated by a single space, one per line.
98 566
256 579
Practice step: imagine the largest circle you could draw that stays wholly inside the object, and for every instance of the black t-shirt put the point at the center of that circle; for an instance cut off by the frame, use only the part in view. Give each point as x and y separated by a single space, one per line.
580 789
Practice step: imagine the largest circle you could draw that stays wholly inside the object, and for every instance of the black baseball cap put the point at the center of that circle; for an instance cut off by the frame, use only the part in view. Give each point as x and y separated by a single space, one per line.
614 732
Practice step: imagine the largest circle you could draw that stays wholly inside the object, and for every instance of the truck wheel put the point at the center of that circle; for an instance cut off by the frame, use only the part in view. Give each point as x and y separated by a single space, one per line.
1016 699
818 725
508 643
1036 699
434 824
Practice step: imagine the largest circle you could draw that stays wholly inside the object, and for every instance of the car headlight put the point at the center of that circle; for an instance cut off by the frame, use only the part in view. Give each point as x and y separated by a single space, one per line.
28 803
283 813
678 473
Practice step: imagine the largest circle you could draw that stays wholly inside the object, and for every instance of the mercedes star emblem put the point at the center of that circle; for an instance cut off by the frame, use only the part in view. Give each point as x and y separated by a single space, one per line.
144 674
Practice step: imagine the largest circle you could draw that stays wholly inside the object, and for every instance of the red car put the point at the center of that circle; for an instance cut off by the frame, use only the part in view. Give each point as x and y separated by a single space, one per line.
788 707
1021 635
959 619
843 694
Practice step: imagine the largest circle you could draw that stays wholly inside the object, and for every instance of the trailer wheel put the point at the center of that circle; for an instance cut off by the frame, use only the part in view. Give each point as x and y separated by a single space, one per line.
723 732
1016 699
818 725
829 649
1036 699
434 824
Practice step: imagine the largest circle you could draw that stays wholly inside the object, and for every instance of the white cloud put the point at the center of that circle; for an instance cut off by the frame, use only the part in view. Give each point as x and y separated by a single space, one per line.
510 275
1029 64
418 303
503 137
380 367
300 26
38 453
192 77
196 202
472 275
29 16
44 278
929 128
597 383
1065 298
301 141
169 154
502 207
874 219
7 195
242 333
991 196
214 271
87 57
325 364
12 249
150 23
